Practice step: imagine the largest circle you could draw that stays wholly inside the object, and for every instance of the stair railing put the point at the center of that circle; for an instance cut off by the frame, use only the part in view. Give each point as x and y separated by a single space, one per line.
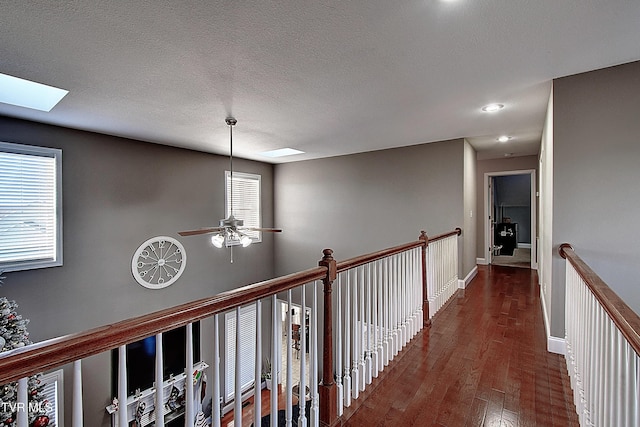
379 306
603 348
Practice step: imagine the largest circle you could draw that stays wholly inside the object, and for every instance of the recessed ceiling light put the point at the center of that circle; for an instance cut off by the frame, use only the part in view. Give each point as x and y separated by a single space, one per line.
282 152
28 94
492 108
504 138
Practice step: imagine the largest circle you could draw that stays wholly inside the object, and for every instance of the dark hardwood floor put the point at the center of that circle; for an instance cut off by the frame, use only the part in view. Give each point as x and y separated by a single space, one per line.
483 362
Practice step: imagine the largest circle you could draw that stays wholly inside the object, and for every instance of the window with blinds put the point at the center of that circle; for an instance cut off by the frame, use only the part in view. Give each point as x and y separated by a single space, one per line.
30 207
246 200
53 397
247 349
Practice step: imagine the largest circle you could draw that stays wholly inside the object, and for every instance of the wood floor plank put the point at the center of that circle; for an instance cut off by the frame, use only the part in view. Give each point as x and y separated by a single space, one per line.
482 362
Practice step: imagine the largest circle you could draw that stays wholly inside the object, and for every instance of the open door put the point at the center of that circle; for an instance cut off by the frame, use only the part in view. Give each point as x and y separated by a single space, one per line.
492 219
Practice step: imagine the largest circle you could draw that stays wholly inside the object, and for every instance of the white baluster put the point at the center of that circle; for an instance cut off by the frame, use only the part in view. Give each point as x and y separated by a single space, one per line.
237 384
395 295
257 375
189 411
346 379
302 393
355 356
76 419
122 386
369 329
380 317
315 360
215 369
289 387
274 359
22 416
386 292
338 344
159 398
361 330
402 274
375 360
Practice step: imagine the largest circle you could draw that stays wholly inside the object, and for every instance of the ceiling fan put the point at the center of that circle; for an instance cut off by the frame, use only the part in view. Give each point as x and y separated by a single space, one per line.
231 229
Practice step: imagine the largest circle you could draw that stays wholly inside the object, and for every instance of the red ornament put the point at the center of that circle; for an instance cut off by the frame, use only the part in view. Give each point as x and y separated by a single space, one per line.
40 421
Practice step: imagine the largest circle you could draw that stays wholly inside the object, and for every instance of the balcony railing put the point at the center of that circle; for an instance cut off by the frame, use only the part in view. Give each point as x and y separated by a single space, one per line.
370 307
603 348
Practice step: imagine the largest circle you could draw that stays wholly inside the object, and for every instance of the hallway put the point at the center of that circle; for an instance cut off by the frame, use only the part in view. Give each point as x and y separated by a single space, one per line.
483 362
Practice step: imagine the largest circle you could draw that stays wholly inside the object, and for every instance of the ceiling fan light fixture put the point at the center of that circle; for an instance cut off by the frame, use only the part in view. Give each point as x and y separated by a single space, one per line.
217 240
245 241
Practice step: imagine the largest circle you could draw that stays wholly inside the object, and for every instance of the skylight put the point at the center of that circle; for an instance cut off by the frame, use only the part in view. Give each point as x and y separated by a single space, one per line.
281 152
28 94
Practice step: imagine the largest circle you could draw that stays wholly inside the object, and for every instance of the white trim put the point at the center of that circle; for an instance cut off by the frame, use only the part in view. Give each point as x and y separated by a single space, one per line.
534 221
524 245
463 283
557 345
482 261
554 344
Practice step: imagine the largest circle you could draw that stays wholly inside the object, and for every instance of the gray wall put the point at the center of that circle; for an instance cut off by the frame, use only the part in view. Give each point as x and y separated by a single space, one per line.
495 165
469 235
358 203
117 193
596 196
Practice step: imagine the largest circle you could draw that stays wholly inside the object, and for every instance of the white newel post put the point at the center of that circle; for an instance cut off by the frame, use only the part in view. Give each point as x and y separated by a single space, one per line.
76 418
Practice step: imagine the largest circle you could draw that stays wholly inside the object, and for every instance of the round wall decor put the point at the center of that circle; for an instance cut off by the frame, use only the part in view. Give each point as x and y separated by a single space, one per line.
158 262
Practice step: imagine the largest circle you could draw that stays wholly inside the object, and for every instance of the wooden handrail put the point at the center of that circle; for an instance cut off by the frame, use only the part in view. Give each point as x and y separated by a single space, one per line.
50 354
457 231
375 256
626 320
45 355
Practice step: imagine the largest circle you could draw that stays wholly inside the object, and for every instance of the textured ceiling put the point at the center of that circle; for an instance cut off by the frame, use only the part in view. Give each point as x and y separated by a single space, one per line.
325 77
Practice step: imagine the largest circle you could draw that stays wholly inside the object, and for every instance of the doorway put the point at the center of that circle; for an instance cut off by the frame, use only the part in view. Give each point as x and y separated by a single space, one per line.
510 218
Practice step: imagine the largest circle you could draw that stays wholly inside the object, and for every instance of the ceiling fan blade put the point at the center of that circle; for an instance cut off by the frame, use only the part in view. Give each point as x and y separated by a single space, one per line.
200 231
271 230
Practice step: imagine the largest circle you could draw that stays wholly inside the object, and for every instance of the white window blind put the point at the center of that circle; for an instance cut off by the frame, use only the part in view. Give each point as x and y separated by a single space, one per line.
247 349
246 200
53 401
30 207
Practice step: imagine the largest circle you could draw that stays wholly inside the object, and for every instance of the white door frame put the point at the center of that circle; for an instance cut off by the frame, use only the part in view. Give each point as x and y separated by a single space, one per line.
534 210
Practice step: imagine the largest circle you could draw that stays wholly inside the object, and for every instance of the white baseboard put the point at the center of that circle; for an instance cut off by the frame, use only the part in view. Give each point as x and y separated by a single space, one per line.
557 345
462 283
554 344
482 261
524 245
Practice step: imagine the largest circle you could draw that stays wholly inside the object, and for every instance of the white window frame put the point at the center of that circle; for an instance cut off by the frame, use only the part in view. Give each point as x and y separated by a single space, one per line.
247 350
244 201
55 248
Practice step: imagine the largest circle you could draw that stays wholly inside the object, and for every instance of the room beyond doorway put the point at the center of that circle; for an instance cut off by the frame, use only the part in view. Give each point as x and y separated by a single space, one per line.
510 218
